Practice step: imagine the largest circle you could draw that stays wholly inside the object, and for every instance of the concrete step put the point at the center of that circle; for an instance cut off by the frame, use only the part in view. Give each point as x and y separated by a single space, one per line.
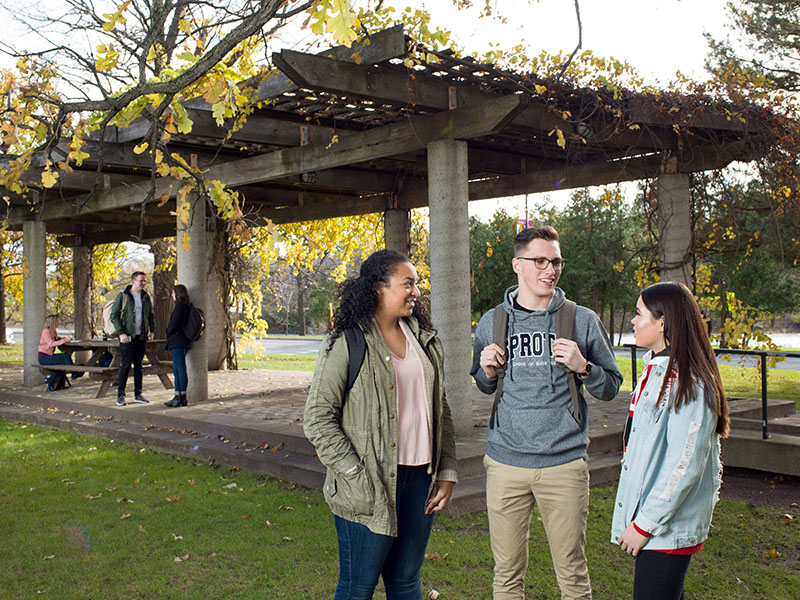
156 415
774 426
750 408
746 449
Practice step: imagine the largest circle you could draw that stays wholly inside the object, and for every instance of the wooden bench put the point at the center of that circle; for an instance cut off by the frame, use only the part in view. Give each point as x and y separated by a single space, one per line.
76 368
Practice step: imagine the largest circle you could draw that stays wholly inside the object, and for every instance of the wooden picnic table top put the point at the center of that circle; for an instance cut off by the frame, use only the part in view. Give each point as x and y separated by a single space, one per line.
91 344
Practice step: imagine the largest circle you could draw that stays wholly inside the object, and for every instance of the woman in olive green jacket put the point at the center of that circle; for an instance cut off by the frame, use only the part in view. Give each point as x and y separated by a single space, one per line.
388 441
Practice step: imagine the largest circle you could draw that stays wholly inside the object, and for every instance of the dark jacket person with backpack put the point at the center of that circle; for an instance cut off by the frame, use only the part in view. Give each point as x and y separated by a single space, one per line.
133 320
178 344
380 423
538 431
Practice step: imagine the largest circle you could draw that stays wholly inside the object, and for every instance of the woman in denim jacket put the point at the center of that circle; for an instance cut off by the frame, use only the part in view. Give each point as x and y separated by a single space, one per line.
671 470
387 442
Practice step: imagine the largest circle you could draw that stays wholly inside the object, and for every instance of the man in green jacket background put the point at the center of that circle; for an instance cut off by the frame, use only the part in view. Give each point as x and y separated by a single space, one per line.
134 322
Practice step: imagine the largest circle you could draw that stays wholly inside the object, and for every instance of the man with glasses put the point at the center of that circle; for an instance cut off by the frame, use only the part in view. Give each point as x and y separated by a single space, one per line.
537 443
133 319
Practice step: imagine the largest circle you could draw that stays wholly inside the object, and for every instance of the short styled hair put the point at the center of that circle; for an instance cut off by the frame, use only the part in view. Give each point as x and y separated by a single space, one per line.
137 273
527 235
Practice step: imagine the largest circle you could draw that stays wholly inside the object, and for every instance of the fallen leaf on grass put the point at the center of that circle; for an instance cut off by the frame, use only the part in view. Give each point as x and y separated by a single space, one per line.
434 595
269 523
90 497
93 448
772 553
284 507
173 499
246 516
51 557
182 558
127 500
436 556
287 539
176 537
229 486
110 489
125 515
142 528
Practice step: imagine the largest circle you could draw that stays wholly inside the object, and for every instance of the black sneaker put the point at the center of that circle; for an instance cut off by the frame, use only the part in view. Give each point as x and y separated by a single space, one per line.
139 399
121 401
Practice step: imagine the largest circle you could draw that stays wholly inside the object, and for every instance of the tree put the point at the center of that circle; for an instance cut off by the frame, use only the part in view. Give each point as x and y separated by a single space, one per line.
491 248
765 41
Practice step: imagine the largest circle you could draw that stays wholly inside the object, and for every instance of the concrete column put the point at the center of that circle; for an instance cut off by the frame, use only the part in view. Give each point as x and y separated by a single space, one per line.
34 293
396 226
82 291
450 294
191 243
674 228
216 339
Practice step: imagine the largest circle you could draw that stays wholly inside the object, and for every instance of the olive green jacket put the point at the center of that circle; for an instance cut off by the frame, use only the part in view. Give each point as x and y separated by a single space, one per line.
124 319
356 436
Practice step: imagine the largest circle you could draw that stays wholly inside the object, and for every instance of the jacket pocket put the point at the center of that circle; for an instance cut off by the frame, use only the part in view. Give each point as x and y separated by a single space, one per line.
354 492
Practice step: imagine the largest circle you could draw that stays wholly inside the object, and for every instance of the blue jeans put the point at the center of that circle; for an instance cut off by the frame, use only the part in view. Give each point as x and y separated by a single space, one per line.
55 359
179 370
364 555
660 576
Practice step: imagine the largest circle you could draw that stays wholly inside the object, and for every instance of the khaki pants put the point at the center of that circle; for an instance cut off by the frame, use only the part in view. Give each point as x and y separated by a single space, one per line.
563 496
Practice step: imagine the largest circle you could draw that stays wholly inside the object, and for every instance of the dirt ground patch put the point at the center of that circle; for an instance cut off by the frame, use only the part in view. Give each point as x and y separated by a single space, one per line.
762 489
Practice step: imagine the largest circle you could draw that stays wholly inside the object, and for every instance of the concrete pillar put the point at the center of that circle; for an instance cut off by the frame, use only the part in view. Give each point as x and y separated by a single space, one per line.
34 293
674 228
450 294
191 243
396 226
82 296
216 335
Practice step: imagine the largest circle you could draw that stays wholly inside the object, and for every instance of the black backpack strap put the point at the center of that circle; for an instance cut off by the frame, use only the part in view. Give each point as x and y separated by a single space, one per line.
565 328
499 337
356 349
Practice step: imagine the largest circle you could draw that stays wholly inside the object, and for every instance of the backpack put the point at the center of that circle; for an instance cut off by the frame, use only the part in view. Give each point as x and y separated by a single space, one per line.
356 350
108 326
565 328
195 324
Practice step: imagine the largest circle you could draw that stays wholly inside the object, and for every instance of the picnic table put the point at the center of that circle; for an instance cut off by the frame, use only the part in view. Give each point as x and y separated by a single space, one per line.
108 375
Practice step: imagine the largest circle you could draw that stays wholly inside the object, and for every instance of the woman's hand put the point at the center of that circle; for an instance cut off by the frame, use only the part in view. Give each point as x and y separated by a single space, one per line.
440 496
632 541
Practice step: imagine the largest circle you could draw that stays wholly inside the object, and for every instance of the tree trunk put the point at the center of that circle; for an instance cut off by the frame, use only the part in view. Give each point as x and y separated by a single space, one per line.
301 311
163 281
611 321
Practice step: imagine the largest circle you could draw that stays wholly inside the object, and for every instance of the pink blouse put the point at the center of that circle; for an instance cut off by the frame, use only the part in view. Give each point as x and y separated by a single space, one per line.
413 436
47 343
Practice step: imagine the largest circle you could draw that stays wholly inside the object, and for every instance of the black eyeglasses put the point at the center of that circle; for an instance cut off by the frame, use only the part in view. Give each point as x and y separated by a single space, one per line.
541 262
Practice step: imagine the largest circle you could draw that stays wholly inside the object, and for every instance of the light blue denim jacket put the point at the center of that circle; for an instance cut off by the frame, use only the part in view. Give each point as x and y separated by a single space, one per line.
671 469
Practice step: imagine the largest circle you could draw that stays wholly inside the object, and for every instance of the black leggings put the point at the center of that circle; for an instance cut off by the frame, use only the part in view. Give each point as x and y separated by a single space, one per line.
659 576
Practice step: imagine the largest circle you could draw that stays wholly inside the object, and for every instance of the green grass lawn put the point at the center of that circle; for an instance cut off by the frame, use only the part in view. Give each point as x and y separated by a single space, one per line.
89 518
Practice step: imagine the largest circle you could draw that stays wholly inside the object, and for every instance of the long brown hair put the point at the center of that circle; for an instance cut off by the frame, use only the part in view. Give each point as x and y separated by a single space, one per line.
690 349
50 323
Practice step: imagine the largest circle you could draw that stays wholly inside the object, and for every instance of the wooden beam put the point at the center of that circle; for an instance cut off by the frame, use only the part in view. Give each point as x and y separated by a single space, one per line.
379 142
352 148
153 232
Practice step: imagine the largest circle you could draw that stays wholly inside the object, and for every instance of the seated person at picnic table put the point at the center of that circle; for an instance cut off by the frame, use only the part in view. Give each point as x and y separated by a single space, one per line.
47 345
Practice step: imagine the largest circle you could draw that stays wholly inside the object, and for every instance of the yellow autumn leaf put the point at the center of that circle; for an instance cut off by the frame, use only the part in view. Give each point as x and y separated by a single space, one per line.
138 149
49 178
185 241
540 89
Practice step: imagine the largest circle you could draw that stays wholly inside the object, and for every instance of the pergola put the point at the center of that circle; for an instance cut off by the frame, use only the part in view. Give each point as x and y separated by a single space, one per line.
361 130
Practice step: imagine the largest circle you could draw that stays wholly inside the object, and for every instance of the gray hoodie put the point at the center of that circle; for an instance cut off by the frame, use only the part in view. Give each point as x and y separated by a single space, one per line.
535 425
